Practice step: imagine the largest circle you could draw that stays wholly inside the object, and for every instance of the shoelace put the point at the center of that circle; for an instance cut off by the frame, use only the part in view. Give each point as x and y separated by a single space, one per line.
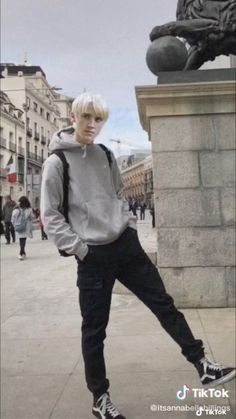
212 365
107 406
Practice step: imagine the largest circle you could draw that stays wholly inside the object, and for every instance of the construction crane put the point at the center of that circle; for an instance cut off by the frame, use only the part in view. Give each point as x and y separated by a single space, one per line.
125 143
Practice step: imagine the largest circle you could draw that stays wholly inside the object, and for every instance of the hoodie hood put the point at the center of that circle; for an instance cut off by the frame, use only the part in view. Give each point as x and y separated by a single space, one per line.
64 140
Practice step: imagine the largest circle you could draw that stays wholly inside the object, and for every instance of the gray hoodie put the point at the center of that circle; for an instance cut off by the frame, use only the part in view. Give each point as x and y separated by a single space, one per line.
98 213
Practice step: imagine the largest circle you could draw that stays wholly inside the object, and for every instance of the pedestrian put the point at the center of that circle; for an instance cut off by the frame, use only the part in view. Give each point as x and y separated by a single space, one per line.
102 235
134 208
7 213
143 207
22 217
2 229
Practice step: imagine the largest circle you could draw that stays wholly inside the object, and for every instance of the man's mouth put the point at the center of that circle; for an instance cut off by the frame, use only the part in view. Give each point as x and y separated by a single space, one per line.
89 132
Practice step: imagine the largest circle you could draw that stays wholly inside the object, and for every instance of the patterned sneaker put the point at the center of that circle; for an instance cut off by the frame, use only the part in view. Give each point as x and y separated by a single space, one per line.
103 408
212 374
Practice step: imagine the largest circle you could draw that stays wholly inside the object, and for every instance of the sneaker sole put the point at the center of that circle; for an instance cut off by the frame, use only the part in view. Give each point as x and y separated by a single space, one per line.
97 414
222 380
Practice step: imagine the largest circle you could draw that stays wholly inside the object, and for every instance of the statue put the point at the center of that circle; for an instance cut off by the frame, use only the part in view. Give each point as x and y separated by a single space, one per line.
208 26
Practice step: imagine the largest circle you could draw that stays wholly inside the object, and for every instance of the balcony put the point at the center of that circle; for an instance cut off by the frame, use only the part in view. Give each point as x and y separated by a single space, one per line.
43 139
36 136
34 158
12 146
29 132
21 151
3 142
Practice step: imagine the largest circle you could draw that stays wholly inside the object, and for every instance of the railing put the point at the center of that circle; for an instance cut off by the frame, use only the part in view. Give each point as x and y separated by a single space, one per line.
21 151
34 157
3 142
36 136
29 132
43 139
12 146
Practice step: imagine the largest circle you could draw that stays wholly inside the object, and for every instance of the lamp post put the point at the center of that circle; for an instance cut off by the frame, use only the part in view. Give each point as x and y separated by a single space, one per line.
26 108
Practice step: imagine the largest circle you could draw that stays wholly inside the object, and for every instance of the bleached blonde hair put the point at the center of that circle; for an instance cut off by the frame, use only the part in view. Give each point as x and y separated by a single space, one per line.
82 102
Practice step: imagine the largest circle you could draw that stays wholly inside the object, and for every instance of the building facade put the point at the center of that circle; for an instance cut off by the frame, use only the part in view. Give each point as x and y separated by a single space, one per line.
11 140
138 181
38 108
64 104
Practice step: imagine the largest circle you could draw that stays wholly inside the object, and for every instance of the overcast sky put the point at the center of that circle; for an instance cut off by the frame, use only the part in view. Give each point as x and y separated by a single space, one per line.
97 45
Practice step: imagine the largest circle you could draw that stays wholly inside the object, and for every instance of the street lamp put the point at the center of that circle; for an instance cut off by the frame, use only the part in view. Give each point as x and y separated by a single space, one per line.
26 108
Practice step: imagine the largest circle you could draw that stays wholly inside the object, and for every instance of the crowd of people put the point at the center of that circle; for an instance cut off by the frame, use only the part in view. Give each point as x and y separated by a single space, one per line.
135 205
17 221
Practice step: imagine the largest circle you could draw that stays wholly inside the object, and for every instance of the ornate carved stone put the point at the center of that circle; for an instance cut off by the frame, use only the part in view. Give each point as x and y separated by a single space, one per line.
208 26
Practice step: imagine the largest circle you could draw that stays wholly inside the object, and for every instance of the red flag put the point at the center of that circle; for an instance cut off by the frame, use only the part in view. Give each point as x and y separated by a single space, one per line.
11 170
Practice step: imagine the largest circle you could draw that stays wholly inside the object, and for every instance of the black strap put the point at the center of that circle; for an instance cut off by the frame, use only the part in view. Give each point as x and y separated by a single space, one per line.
108 154
62 157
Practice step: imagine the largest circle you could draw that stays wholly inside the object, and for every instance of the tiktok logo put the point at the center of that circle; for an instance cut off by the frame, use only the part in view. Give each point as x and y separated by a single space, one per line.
181 394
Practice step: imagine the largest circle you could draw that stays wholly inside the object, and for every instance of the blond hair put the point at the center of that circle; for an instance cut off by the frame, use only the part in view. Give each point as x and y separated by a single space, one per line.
82 102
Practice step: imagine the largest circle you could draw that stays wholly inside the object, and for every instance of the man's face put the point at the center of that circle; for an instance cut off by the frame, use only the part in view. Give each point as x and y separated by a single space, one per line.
88 126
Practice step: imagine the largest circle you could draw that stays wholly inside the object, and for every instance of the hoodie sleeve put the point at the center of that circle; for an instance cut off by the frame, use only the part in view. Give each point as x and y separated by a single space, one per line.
58 230
119 187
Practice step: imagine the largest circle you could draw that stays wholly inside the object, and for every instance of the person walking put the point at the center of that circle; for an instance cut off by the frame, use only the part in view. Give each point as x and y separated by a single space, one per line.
22 217
7 213
143 207
98 229
135 207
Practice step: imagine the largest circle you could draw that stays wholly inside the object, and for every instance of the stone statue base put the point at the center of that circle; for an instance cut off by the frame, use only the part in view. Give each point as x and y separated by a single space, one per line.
198 76
191 125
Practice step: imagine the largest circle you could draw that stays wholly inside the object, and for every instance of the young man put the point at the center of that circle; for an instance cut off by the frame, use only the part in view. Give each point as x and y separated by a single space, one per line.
101 233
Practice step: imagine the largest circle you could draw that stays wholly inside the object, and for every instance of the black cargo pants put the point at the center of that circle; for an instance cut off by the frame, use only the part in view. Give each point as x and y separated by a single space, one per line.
126 261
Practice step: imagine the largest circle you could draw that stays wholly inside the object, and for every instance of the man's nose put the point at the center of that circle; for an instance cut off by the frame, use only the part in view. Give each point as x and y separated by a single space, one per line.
91 122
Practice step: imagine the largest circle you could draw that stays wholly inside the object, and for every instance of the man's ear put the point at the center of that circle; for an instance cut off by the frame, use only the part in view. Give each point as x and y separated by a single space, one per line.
72 117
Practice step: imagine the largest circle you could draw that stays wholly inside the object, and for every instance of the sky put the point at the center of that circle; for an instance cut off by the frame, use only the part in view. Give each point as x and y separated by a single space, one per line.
97 45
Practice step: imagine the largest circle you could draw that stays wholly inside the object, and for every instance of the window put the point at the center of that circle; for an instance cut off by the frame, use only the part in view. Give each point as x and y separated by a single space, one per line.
42 130
35 107
28 147
28 102
48 116
35 127
42 154
10 136
27 122
36 151
42 112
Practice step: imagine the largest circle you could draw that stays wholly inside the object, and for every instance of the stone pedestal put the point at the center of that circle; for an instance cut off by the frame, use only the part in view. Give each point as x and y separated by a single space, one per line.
192 130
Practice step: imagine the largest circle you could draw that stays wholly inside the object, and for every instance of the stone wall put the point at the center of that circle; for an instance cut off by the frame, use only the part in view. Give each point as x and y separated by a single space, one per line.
192 129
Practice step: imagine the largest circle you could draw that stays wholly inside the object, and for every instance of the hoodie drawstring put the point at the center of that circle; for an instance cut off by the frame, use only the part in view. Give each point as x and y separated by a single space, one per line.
84 148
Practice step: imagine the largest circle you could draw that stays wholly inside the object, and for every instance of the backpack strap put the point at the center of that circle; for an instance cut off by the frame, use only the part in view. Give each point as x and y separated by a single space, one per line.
65 164
108 153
